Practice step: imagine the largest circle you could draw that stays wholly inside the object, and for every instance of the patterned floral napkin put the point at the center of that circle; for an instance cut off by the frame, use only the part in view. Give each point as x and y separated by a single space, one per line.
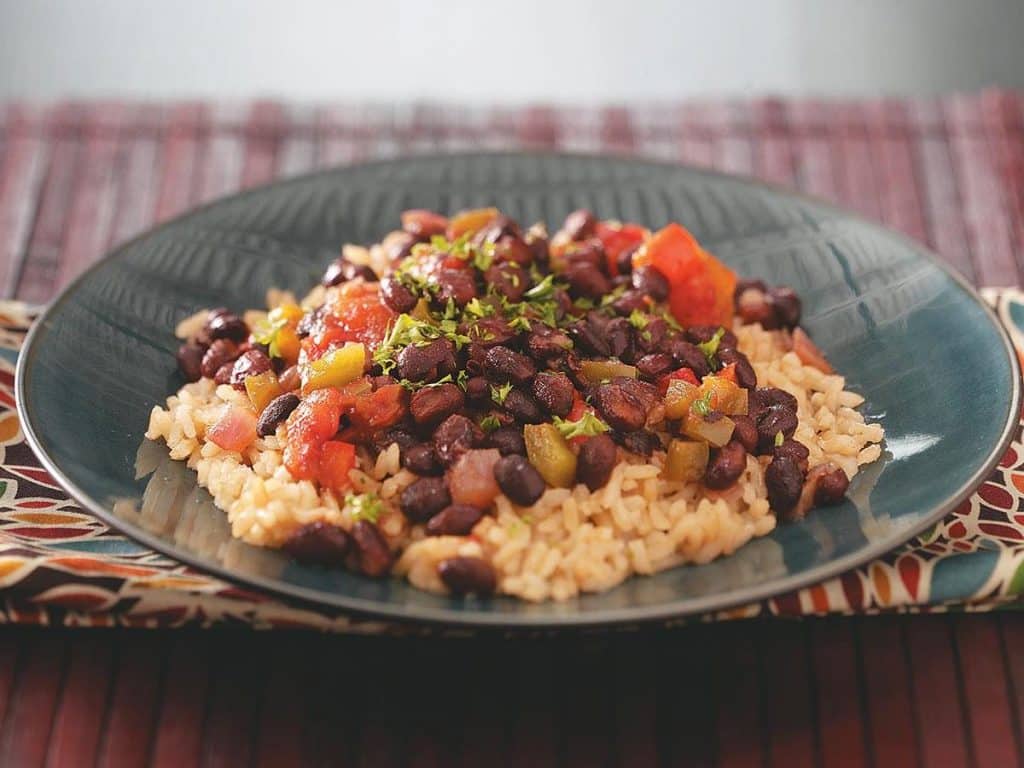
61 566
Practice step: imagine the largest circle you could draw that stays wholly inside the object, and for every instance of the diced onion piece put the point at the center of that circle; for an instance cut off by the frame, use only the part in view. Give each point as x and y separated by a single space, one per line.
686 460
470 221
725 395
717 431
680 396
550 454
235 430
596 371
337 368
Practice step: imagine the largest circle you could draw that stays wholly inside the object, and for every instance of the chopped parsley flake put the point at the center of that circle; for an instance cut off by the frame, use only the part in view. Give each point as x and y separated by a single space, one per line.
638 320
489 423
779 439
498 394
588 425
407 330
364 506
702 406
710 347
545 289
265 332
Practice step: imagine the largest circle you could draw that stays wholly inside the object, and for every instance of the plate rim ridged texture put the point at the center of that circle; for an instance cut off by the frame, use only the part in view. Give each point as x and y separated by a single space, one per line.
477 614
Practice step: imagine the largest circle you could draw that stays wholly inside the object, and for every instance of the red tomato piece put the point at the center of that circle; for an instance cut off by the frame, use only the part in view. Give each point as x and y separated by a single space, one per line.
617 238
700 287
380 409
313 423
235 430
355 313
728 373
336 460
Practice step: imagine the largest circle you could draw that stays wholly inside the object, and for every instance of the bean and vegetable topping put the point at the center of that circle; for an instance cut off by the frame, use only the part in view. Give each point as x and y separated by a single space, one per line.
505 361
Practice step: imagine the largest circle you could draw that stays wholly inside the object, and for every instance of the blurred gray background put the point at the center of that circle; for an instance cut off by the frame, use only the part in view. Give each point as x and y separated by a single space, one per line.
508 52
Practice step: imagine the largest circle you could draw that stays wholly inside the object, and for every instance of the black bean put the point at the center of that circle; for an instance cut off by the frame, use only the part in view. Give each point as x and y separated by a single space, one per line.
554 391
456 435
620 409
468 575
589 338
746 377
755 306
744 284
424 498
457 285
687 355
221 352
698 334
590 252
587 281
420 460
537 243
277 410
432 405
508 440
319 543
428 362
794 450
501 364
518 479
629 302
596 461
654 365
832 483
523 407
374 555
507 279
396 295
475 353
423 226
646 394
641 442
620 337
342 270
478 390
511 249
488 331
725 465
762 398
784 481
624 261
653 336
745 432
384 438
455 520
227 326
310 322
223 374
251 363
190 361
770 423
545 343
579 225
651 281
787 306
498 227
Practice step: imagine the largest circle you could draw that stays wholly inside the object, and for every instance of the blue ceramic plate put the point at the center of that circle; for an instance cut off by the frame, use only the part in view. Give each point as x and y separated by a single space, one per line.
909 335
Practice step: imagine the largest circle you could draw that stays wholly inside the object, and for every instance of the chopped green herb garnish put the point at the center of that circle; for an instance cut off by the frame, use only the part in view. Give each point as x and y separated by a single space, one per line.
407 330
412 386
498 394
519 324
710 347
779 439
587 425
638 319
462 377
364 506
489 423
265 332
478 308
702 406
542 290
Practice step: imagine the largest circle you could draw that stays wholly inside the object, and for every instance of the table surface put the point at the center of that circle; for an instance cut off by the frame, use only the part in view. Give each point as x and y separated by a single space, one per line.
76 179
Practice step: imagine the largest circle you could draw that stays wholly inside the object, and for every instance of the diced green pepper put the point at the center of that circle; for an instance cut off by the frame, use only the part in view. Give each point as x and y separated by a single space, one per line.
686 460
550 454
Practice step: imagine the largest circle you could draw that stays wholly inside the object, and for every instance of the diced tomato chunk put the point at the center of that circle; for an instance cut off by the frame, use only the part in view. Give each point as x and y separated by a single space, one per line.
336 460
700 287
682 373
354 313
617 238
313 423
380 409
235 430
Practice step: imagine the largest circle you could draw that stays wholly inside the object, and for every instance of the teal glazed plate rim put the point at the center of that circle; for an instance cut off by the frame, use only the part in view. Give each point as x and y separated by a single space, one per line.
908 332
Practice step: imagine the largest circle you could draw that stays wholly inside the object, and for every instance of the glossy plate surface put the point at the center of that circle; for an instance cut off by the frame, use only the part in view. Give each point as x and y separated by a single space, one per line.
909 335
